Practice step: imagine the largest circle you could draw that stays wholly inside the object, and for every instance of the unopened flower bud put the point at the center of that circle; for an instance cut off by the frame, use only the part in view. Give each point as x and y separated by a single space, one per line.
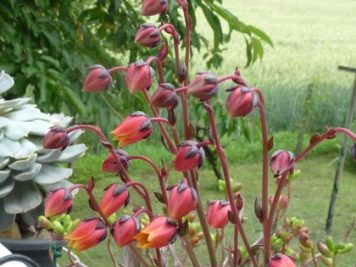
204 86
148 35
154 7
241 101
110 164
280 260
125 229
138 76
57 137
98 79
58 201
189 156
282 161
217 213
164 96
114 197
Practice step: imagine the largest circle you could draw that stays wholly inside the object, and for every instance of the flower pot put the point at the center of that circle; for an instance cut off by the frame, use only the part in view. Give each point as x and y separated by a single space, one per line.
44 252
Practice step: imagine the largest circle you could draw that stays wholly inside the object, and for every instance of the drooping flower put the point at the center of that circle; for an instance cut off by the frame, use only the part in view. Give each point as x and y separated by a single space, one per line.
241 101
182 200
98 79
56 138
115 196
280 260
164 96
138 76
148 35
159 233
58 201
217 213
154 7
132 129
125 229
110 163
204 86
189 156
282 161
88 233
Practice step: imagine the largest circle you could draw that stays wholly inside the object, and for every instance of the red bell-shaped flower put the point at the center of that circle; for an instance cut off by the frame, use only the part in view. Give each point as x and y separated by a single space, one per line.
148 35
159 233
125 229
241 101
154 7
98 79
110 163
282 161
88 233
217 213
138 76
182 200
164 96
56 138
115 196
280 260
58 201
132 129
189 156
204 86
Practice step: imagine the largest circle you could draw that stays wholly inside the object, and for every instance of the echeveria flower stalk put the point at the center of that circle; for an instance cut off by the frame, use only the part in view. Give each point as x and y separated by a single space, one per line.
189 156
98 79
217 213
154 7
56 138
125 229
148 35
58 201
164 96
110 163
115 196
182 200
132 129
204 86
138 76
280 260
282 161
88 233
241 101
159 233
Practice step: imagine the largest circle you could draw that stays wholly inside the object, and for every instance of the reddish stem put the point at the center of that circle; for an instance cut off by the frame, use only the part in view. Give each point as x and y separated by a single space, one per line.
227 77
117 69
181 89
142 210
147 195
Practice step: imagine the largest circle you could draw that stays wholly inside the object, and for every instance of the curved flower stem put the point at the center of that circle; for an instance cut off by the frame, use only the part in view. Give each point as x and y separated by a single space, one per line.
188 28
266 225
108 246
225 168
226 77
147 195
160 120
142 210
347 132
158 66
139 256
157 171
236 245
117 69
163 130
96 130
181 89
276 197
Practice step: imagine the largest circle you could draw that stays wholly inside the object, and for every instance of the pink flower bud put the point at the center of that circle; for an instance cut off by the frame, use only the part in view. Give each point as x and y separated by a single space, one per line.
217 213
282 161
280 260
138 76
58 201
88 233
148 35
98 79
189 156
125 229
115 196
154 7
282 203
110 163
56 138
159 233
182 200
353 152
164 96
132 129
204 86
241 101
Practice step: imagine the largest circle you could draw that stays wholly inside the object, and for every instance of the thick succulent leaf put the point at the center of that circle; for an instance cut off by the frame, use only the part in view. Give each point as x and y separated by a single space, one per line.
52 174
4 174
4 122
23 164
23 198
48 155
6 219
27 112
8 147
4 162
73 136
16 130
38 126
71 153
38 142
31 217
27 149
6 187
6 82
63 184
59 119
27 174
2 133
13 103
